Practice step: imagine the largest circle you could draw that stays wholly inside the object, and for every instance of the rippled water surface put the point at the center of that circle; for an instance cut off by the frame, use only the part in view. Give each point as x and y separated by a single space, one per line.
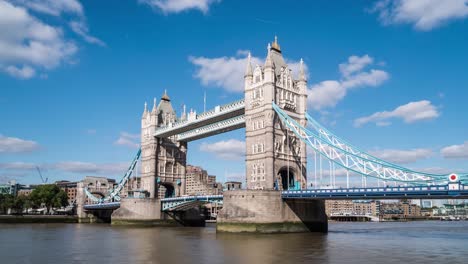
412 242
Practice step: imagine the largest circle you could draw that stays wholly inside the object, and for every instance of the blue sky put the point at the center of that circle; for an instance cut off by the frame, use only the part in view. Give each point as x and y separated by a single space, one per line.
389 76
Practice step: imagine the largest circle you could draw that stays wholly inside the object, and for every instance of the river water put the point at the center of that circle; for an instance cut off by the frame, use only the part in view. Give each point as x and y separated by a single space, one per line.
396 242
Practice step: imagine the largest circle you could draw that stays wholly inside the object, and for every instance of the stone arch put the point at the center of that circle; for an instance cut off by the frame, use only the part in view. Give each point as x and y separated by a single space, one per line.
287 178
166 189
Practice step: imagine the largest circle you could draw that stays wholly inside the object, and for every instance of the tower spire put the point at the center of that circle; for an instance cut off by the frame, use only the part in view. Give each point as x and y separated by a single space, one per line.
154 104
248 69
301 71
268 61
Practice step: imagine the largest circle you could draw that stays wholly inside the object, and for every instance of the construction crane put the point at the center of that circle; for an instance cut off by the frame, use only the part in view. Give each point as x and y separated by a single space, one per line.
40 174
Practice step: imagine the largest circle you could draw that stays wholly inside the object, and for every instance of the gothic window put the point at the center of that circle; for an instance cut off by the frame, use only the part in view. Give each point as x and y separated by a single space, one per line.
257 79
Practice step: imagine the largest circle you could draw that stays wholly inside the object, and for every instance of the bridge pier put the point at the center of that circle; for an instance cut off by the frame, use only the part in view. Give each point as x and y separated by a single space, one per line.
147 211
265 211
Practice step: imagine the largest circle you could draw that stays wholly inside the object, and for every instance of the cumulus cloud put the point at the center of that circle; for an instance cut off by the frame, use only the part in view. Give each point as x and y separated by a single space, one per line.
16 145
328 93
24 72
80 28
402 156
53 7
410 113
76 167
456 151
231 149
423 14
177 6
228 72
90 168
128 140
28 44
27 41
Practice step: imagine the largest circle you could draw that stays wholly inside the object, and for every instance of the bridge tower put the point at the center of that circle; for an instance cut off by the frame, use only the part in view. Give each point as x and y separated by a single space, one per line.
275 157
163 160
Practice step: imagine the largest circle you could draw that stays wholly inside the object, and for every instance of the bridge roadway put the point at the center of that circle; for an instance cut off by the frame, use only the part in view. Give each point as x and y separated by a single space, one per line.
222 118
377 193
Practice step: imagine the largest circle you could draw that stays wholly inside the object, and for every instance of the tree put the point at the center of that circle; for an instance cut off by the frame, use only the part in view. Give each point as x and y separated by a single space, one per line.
6 202
20 203
48 195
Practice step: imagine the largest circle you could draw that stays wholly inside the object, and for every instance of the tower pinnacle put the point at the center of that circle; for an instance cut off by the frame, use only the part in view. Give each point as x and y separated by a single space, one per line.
248 69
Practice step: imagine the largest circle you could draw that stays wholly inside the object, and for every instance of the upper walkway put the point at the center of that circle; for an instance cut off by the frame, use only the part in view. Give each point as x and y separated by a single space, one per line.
221 119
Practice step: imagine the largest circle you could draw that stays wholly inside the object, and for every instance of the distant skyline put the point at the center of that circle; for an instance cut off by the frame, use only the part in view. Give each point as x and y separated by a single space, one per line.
390 76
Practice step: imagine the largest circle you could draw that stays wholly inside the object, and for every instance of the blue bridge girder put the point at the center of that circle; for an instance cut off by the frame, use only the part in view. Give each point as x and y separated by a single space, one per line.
102 206
380 193
371 193
183 203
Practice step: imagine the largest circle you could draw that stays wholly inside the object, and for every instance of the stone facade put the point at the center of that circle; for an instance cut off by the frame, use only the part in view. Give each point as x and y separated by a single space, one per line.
198 182
275 157
163 160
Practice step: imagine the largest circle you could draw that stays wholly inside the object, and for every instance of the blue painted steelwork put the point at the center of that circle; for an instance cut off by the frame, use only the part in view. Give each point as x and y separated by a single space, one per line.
352 159
102 206
115 193
452 191
414 192
170 203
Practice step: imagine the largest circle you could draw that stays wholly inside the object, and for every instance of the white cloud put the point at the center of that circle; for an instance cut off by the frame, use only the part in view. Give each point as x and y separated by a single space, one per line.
28 42
53 7
402 156
16 145
410 113
77 167
25 72
177 6
231 149
91 168
128 140
456 151
355 64
228 72
329 93
21 166
423 14
80 28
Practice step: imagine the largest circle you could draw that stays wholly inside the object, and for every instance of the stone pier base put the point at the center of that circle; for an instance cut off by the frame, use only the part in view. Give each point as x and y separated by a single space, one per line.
266 212
146 212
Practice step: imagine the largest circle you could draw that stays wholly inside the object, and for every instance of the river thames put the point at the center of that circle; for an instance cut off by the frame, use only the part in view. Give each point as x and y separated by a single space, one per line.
395 242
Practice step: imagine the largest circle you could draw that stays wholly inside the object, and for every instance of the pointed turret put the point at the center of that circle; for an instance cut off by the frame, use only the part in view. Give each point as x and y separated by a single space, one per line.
275 45
248 69
301 71
145 111
268 61
154 106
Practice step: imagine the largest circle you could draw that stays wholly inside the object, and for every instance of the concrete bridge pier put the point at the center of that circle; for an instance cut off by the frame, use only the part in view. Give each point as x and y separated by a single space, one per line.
265 211
148 212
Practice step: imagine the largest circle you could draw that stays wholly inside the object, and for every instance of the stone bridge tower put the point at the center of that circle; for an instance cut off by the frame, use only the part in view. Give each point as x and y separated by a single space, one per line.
275 157
163 160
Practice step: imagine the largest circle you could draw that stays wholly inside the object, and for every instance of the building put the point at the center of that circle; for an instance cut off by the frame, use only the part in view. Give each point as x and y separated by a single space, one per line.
397 210
70 188
198 182
350 207
232 185
10 188
339 207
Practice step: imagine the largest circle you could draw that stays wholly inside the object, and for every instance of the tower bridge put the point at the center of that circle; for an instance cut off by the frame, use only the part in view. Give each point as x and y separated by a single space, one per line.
278 131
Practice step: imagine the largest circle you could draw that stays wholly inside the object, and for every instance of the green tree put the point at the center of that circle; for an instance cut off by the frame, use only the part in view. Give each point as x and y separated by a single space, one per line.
48 195
6 202
20 203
